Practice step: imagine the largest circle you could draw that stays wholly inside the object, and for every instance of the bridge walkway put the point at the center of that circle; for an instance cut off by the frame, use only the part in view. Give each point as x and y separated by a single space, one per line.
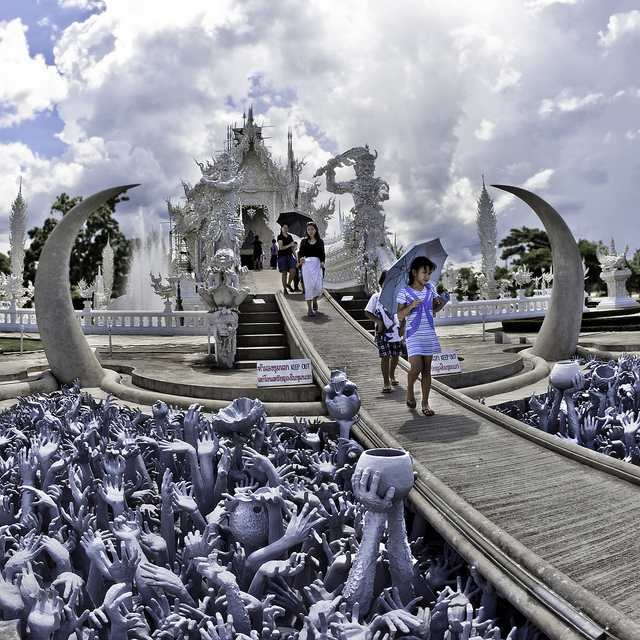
566 532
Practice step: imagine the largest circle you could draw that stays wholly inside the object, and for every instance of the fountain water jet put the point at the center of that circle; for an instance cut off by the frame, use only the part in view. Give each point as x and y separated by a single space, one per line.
150 256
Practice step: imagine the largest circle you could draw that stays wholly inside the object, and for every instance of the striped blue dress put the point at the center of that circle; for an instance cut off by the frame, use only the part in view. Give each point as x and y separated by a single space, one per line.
421 334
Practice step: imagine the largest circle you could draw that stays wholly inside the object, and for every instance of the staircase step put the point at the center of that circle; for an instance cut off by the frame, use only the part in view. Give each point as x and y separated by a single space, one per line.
258 307
254 354
257 328
259 316
262 340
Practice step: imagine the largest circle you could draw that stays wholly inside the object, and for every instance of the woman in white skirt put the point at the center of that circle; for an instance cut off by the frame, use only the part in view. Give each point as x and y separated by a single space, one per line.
311 257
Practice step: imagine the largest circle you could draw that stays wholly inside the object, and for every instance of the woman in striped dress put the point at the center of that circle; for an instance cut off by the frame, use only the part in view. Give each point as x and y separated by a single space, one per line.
417 302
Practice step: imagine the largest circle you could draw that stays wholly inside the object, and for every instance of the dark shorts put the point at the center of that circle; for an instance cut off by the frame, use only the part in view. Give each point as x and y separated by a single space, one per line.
386 348
286 263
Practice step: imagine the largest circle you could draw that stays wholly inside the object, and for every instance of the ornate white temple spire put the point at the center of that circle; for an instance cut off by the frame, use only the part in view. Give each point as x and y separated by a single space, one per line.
11 286
17 233
488 236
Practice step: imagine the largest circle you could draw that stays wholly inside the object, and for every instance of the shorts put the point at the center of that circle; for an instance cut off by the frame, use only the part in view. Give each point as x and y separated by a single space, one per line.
286 263
386 348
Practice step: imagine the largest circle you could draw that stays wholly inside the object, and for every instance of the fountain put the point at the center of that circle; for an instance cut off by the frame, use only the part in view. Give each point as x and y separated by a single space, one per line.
149 256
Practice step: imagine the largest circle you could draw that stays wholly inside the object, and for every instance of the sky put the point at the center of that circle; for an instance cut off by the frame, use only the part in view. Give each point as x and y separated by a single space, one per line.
540 94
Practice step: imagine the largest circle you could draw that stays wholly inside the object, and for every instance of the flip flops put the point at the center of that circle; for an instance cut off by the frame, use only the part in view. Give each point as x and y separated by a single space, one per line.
315 306
387 388
429 412
311 313
394 381
411 404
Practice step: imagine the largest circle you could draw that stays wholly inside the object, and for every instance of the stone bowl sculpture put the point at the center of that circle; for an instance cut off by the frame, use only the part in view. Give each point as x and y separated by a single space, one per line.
239 417
563 373
603 376
395 467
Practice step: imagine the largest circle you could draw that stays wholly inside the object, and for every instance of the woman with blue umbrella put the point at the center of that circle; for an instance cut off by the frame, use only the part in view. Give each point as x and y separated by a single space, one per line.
417 302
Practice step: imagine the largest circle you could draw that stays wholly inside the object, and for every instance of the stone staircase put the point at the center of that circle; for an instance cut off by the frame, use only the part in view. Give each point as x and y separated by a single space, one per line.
355 308
260 334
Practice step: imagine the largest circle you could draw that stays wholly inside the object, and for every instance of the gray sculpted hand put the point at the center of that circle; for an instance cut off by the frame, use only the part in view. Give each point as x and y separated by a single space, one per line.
367 493
45 617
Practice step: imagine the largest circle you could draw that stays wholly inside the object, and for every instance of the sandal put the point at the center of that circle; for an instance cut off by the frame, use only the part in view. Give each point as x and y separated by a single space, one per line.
387 388
311 313
394 381
411 404
429 412
315 306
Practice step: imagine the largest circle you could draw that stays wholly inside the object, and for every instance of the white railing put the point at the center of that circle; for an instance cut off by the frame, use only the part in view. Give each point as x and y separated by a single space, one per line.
145 322
199 322
118 322
467 312
12 319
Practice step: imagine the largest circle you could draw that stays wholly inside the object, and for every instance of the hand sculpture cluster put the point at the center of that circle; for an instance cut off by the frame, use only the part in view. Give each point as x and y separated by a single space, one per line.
601 413
114 525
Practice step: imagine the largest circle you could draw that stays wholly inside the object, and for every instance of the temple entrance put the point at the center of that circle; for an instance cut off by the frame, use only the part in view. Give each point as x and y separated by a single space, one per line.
255 219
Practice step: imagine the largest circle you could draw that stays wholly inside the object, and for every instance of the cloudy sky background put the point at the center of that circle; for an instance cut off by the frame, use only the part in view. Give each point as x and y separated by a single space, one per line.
542 94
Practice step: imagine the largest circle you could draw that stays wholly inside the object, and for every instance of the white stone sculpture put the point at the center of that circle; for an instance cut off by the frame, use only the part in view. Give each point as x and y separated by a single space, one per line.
488 236
522 276
365 234
105 277
12 286
615 274
165 291
449 276
225 327
547 276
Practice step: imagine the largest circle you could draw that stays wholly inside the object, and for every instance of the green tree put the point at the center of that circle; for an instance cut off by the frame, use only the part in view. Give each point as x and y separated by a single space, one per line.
529 248
466 273
5 263
86 256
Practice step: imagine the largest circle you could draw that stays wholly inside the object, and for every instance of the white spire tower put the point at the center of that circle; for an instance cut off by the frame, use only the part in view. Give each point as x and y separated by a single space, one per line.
488 236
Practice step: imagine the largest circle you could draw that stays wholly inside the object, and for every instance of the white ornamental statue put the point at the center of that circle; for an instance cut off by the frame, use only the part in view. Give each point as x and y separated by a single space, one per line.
615 273
366 235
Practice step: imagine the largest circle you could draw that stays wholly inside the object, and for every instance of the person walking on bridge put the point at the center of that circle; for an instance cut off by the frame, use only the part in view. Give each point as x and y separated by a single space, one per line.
388 337
417 302
286 259
311 256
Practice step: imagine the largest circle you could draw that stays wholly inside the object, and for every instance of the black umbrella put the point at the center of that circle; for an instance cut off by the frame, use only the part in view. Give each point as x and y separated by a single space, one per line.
296 220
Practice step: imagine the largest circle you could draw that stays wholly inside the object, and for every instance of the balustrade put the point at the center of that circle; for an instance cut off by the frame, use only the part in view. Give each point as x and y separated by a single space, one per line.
199 322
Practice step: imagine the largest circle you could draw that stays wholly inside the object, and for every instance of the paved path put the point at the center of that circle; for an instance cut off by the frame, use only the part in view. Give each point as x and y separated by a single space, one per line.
582 522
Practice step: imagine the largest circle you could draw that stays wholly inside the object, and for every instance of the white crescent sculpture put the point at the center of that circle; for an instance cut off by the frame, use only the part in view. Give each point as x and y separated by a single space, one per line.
64 344
558 336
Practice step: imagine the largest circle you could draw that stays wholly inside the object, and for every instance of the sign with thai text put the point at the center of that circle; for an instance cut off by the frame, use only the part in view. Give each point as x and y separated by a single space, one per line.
282 372
445 362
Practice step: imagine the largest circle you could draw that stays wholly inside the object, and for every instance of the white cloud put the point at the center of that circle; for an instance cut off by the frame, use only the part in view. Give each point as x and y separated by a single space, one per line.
566 103
543 4
539 181
620 25
85 5
445 91
485 130
27 85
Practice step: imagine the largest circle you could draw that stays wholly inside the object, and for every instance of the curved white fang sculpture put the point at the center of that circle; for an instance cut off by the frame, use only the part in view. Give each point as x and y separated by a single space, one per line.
558 337
65 346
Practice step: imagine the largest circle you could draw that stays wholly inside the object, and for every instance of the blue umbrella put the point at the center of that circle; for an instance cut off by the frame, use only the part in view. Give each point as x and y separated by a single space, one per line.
398 273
